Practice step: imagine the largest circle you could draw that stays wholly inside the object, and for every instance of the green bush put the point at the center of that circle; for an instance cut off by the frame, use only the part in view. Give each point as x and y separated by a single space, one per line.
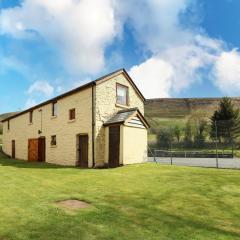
164 138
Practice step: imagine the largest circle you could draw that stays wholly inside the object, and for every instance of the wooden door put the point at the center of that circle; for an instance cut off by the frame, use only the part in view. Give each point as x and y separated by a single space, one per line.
83 151
33 150
41 149
13 148
114 146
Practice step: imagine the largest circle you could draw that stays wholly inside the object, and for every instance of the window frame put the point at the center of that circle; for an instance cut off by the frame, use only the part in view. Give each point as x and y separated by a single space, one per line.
53 140
127 94
31 117
54 110
72 114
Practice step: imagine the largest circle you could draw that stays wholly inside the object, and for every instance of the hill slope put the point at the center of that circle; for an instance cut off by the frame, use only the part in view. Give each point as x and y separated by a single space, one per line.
172 112
182 107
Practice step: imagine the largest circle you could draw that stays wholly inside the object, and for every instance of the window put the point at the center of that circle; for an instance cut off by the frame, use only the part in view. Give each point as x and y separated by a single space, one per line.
122 94
30 116
53 140
72 114
8 125
54 109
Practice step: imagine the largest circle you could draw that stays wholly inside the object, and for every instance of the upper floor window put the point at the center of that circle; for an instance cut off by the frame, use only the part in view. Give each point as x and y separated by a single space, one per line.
54 109
30 116
72 114
8 125
122 94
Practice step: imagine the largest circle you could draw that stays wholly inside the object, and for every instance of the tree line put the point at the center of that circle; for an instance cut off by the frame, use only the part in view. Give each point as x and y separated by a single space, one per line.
223 126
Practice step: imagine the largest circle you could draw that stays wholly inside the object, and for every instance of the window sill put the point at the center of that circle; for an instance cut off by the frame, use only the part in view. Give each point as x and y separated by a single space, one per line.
53 117
71 121
30 123
122 106
53 146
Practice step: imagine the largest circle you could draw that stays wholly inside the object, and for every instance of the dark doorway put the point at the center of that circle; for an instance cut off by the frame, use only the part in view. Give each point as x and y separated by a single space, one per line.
42 149
13 149
83 151
114 146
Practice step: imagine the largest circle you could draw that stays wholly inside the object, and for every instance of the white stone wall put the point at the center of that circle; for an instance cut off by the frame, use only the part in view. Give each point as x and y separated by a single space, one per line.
65 152
134 145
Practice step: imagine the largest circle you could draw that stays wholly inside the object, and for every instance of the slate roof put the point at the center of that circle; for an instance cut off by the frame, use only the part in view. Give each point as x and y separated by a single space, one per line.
121 116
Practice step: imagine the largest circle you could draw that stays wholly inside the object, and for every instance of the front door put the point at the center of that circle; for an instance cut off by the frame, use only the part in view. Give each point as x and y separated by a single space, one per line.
41 149
83 151
114 146
33 150
13 148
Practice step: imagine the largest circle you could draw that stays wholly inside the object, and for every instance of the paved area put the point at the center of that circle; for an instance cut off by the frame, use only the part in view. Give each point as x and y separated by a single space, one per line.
199 162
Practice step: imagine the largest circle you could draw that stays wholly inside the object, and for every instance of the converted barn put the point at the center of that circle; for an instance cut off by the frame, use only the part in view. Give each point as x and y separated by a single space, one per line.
98 124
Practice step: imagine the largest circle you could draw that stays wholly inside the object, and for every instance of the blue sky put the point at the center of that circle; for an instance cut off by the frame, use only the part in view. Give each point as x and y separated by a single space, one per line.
171 48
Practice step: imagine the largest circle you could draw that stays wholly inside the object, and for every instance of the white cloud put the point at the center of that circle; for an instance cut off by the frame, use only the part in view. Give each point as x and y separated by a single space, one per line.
42 88
154 77
187 51
30 103
38 92
172 71
79 30
155 23
226 72
176 55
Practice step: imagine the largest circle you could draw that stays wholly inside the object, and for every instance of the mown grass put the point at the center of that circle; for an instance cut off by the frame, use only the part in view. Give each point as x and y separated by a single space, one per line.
147 201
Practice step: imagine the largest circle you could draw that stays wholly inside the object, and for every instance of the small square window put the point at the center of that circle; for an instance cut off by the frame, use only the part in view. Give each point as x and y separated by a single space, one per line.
53 140
72 114
122 94
31 117
54 109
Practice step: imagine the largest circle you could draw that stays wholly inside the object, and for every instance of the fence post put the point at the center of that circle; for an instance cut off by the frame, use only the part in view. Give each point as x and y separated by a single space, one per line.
154 155
171 151
216 137
171 135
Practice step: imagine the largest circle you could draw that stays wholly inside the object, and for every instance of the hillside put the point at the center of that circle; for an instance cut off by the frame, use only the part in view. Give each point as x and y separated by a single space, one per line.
171 112
182 107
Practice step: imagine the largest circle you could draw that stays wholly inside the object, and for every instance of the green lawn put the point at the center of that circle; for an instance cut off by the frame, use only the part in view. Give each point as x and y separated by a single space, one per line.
146 201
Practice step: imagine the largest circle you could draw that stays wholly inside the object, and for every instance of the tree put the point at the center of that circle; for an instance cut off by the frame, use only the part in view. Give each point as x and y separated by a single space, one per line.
164 138
200 129
188 134
199 123
225 122
177 133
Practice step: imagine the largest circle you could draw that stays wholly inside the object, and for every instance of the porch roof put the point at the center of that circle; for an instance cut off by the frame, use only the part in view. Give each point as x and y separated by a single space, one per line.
124 115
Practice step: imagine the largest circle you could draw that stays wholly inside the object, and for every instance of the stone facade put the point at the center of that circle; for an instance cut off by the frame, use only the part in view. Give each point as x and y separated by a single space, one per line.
65 152
106 107
66 131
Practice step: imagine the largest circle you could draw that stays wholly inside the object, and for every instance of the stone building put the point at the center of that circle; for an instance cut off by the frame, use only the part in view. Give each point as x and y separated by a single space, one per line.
98 124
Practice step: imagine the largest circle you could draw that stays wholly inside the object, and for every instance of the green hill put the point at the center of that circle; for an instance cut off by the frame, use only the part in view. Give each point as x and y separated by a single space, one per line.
171 112
182 107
